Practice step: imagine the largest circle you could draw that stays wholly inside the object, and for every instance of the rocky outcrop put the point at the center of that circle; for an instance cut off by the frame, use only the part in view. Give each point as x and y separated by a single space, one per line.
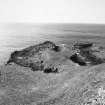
34 57
49 58
87 54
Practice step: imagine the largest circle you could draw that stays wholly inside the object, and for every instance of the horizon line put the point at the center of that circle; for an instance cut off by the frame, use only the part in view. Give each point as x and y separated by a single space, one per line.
81 23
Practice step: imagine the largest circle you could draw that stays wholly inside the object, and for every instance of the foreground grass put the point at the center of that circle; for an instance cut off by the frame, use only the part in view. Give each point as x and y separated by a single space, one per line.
73 86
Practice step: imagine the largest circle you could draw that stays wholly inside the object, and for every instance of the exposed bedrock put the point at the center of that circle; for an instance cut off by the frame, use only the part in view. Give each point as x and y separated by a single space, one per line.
88 54
42 57
49 57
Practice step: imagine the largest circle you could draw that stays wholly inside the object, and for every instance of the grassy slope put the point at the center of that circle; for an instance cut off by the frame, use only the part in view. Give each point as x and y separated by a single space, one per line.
21 86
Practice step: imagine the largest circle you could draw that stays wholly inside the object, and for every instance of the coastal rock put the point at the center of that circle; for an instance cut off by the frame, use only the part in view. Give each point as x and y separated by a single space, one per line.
49 58
87 54
82 45
34 57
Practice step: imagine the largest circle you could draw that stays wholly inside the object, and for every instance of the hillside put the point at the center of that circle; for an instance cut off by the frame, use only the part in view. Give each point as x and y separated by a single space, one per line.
72 85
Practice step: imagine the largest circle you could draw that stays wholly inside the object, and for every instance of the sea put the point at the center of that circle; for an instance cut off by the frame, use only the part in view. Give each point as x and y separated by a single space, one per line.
17 36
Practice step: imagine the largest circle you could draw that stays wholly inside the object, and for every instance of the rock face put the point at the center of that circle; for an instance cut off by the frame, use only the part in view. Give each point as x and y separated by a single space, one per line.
87 54
34 56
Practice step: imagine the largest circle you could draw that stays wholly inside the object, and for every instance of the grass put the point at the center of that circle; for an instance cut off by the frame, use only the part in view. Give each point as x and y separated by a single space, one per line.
21 86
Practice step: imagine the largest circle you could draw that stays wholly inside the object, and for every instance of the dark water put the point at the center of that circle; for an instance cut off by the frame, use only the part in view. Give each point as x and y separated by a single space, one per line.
17 36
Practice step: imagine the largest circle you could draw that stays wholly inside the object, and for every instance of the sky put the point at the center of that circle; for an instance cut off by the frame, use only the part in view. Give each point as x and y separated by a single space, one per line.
49 11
